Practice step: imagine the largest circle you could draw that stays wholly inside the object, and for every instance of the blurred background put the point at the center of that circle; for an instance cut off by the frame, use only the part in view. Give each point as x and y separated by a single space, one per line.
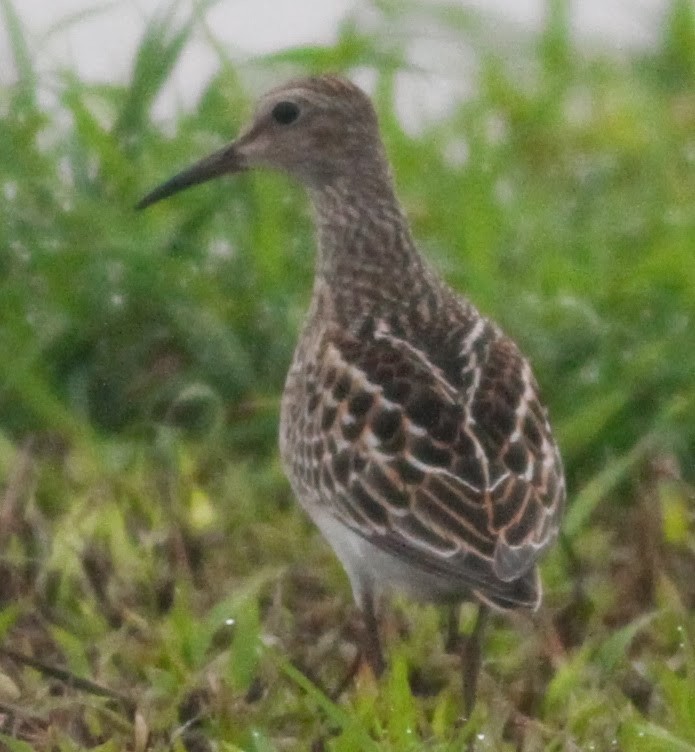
100 39
158 585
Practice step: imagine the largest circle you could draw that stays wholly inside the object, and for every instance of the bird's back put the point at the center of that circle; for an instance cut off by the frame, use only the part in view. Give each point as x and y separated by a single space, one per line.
413 434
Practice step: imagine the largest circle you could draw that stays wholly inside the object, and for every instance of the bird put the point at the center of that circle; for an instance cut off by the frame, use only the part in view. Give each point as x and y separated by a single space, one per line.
412 429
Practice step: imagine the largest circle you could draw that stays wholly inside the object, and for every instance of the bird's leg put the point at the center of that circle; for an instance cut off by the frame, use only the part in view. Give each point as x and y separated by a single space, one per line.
369 647
453 637
346 681
470 660
371 643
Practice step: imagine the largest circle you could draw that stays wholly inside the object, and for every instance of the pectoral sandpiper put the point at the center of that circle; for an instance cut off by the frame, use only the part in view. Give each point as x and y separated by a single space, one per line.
411 428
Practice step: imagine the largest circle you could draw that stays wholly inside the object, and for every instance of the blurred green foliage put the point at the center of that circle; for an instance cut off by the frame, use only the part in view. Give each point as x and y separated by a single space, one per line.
142 357
570 221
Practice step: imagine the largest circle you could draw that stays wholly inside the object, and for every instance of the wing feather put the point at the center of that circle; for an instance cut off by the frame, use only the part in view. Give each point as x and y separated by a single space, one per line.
444 458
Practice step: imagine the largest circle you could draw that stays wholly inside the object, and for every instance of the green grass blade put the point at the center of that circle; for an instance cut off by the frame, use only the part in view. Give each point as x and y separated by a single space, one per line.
642 736
599 486
155 60
334 712
72 20
20 52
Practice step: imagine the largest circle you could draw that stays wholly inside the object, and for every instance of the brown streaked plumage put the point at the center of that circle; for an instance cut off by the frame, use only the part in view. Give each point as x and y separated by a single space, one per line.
411 427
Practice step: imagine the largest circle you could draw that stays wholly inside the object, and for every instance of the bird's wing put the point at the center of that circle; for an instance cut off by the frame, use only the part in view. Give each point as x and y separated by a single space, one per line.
460 476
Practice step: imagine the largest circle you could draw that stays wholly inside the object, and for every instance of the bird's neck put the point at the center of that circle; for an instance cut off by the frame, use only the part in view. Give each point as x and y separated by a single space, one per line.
366 256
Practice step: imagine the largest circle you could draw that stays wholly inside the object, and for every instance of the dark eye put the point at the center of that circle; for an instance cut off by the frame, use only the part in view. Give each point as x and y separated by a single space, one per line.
285 113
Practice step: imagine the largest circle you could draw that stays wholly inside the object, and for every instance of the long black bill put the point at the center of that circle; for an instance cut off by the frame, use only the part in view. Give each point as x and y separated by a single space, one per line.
226 160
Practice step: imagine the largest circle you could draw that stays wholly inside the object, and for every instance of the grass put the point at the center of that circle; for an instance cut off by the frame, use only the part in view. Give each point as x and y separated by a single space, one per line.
159 589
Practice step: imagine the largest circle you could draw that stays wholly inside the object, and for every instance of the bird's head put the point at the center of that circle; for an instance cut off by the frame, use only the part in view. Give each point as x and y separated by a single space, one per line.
318 129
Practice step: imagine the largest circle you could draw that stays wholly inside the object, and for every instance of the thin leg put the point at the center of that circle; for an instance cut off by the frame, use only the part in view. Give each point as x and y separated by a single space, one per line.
348 678
369 647
453 637
372 644
470 660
